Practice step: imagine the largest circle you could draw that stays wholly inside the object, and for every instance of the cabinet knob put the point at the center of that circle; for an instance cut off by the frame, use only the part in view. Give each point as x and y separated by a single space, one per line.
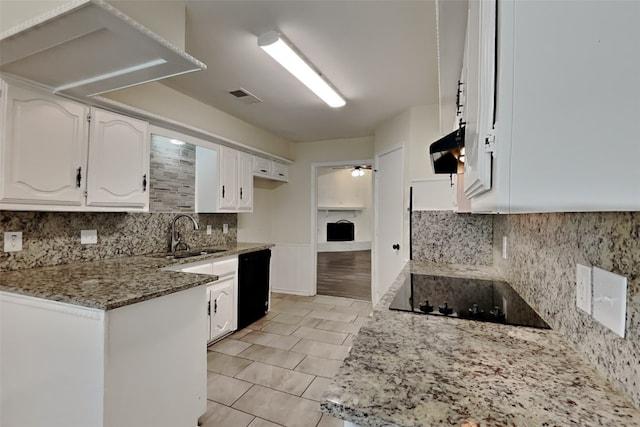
396 247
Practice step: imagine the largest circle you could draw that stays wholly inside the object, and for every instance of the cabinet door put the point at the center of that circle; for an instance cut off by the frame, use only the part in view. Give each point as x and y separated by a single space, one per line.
228 195
118 161
479 68
280 171
262 166
221 308
42 149
245 182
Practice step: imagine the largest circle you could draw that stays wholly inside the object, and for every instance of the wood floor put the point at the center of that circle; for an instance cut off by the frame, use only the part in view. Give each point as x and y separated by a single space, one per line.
345 274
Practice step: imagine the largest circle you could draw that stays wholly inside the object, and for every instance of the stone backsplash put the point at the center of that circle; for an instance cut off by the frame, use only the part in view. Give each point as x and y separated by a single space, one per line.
52 238
543 250
449 237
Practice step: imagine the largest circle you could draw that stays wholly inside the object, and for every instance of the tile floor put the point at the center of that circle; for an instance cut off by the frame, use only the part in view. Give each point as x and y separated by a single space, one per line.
273 372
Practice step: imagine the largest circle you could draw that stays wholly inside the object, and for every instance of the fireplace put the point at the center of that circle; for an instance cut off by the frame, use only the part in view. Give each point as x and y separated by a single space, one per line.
340 231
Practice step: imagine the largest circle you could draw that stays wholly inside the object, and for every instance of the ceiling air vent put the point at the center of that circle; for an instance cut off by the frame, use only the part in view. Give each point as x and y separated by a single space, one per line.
245 96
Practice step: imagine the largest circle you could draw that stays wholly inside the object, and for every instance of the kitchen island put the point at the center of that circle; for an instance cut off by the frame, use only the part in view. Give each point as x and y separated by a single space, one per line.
412 370
116 342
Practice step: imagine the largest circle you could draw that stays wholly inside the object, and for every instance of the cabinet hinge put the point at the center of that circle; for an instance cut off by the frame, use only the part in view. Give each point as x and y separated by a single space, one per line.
89 117
85 193
490 144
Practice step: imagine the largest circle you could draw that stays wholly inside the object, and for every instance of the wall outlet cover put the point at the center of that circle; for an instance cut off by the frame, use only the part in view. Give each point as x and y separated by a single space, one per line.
610 300
583 288
88 237
504 247
13 241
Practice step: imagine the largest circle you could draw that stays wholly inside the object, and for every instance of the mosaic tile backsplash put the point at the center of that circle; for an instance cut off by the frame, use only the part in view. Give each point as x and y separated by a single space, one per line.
52 238
173 177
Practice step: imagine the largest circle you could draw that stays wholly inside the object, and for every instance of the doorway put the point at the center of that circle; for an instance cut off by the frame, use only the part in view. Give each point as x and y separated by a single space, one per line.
343 229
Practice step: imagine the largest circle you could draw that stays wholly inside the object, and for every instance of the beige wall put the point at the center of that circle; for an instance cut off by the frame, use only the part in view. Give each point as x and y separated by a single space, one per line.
414 129
257 227
164 101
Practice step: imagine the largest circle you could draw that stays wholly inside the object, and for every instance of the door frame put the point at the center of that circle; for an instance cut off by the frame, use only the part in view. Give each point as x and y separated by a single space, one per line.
376 216
314 212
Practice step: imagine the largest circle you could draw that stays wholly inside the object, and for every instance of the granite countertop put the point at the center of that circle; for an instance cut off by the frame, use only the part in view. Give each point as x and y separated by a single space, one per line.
412 370
112 283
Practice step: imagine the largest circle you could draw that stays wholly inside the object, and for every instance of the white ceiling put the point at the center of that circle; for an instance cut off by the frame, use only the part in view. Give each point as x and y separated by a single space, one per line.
381 55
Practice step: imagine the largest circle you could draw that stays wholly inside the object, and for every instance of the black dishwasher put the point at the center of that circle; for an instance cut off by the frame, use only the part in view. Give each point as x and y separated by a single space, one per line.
253 286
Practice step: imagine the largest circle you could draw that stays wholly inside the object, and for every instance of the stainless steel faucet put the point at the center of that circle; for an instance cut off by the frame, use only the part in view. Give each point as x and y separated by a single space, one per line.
175 236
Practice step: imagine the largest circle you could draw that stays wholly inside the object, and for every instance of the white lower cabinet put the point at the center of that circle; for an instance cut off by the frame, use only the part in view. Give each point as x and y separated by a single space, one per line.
142 364
222 294
221 308
57 154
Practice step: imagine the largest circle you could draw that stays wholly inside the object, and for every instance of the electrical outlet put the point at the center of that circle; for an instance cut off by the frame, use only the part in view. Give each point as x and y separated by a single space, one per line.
208 229
13 241
610 300
225 228
504 247
583 288
88 237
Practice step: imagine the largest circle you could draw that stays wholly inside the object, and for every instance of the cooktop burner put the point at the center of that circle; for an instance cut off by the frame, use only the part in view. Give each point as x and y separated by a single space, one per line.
474 299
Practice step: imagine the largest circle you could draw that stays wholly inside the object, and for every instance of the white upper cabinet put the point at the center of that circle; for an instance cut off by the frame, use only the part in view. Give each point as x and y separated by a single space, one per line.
118 161
270 169
245 182
224 180
51 161
229 193
43 149
478 86
566 98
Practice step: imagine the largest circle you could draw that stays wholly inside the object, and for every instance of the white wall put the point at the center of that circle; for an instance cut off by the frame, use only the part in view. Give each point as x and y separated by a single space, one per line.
292 210
338 188
293 257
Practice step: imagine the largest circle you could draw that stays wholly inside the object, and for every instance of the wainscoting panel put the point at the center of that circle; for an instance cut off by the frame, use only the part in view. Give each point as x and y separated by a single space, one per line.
291 269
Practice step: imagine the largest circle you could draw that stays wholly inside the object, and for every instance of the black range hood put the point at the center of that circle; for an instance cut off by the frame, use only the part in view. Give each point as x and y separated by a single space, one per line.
445 152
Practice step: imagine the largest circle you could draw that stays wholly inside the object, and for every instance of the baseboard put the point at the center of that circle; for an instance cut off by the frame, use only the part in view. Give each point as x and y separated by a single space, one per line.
343 246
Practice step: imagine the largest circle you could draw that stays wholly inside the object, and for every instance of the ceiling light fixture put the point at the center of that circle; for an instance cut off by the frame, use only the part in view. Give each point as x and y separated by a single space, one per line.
357 171
274 44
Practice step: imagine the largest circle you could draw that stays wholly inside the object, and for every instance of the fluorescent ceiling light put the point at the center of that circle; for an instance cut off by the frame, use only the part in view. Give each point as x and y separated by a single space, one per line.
273 43
117 73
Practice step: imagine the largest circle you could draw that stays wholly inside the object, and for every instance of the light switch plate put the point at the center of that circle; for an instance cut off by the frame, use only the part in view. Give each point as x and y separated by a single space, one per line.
209 229
610 299
88 237
225 228
13 241
583 288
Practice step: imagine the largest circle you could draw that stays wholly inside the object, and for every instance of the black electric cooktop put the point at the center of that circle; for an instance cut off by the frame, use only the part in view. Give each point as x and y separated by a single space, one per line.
473 299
